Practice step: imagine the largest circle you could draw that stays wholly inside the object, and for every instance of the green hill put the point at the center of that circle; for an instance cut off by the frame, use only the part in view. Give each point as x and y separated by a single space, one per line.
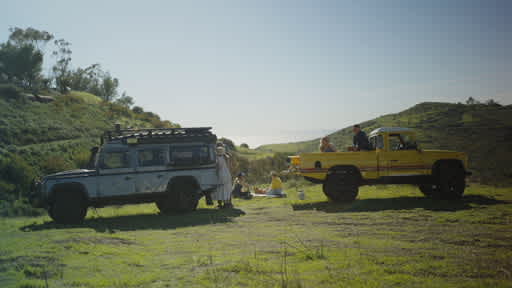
482 131
40 138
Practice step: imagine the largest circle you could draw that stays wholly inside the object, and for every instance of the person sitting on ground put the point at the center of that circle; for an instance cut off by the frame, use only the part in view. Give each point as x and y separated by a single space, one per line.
276 187
240 187
360 140
326 145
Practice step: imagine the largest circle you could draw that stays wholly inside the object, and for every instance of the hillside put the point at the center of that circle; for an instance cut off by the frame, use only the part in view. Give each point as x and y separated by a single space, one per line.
40 138
482 131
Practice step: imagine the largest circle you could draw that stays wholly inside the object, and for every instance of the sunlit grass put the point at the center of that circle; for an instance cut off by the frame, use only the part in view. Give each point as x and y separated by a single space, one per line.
390 237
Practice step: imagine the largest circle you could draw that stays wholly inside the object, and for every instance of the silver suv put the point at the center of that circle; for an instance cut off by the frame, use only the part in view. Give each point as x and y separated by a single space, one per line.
172 167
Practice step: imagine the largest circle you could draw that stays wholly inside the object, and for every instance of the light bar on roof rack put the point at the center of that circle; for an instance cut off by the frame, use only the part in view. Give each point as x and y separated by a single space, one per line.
149 133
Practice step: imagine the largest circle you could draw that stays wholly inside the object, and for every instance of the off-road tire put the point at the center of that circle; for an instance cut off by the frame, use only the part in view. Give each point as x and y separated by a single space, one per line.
181 197
342 185
429 190
68 207
452 182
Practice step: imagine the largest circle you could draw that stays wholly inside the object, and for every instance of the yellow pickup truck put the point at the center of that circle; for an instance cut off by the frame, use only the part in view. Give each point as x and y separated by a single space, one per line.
396 158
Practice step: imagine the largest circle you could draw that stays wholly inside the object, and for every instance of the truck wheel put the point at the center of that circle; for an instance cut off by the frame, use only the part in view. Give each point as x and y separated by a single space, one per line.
68 207
452 182
342 185
181 197
429 190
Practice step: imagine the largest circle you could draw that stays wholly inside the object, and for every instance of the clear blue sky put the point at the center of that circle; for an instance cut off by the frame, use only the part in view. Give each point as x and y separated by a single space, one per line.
278 71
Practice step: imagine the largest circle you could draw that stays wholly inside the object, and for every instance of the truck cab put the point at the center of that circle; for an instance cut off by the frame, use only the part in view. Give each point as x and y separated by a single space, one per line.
395 158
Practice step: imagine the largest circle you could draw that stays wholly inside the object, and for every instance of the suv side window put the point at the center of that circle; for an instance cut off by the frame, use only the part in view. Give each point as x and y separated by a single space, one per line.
191 155
151 157
115 159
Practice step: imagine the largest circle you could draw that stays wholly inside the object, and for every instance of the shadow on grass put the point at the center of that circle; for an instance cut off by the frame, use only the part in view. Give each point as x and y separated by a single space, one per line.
399 203
146 221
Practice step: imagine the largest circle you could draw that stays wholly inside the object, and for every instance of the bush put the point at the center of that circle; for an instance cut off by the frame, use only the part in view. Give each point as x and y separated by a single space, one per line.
9 91
54 164
19 207
81 159
14 171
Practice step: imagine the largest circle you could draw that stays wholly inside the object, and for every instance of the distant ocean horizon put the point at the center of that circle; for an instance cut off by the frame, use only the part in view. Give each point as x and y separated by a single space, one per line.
279 137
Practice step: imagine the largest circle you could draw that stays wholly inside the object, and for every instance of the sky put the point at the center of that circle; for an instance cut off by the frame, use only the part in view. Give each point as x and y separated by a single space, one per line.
264 72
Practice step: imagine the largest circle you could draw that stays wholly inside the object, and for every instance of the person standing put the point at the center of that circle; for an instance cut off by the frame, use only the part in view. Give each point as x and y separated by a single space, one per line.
223 192
360 141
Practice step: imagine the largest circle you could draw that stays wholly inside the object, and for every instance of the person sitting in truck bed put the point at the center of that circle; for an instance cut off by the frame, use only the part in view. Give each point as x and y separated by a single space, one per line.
360 140
326 145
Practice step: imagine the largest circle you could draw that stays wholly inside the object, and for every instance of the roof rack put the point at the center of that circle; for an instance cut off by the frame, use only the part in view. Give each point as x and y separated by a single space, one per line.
159 135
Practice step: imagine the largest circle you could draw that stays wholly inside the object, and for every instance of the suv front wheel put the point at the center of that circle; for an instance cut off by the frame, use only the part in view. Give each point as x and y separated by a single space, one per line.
68 207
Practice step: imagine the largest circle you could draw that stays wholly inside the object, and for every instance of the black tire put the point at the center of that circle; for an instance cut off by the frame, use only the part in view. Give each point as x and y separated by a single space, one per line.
342 185
181 197
429 190
452 181
50 213
68 207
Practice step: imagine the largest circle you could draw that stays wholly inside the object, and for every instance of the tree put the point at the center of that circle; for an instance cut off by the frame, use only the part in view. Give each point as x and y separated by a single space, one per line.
108 87
30 36
491 102
61 69
137 110
125 100
21 65
230 145
472 101
244 145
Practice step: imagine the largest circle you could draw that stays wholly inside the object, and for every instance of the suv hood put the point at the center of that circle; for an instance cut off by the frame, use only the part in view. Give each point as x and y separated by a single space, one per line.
72 173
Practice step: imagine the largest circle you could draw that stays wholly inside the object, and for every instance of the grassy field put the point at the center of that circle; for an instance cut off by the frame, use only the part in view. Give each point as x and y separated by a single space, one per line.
390 237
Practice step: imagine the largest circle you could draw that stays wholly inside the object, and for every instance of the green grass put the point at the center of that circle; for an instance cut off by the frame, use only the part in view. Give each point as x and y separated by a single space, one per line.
253 154
390 237
86 97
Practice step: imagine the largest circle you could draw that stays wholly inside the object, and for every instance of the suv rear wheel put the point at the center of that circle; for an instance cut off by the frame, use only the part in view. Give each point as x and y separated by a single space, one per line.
181 197
68 207
342 185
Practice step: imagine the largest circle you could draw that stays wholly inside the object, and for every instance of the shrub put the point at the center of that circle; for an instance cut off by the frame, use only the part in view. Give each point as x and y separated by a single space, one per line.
54 164
9 91
81 159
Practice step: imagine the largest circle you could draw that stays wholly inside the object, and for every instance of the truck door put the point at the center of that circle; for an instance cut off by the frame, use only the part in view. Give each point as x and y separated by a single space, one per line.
151 169
402 157
116 173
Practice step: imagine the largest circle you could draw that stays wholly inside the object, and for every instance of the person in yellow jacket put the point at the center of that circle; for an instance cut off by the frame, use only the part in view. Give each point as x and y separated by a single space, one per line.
276 187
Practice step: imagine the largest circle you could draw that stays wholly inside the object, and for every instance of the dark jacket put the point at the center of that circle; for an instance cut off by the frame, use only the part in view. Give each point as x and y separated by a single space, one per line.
361 141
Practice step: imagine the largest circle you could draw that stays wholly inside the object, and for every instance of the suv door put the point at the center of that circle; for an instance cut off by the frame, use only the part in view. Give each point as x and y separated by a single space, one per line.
151 169
116 173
